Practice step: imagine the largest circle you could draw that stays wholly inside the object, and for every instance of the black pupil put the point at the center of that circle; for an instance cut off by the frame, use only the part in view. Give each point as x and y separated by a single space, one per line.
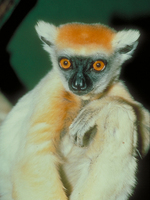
65 62
98 64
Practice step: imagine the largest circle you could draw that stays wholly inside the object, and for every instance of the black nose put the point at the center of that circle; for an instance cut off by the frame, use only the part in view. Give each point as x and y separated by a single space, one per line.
79 82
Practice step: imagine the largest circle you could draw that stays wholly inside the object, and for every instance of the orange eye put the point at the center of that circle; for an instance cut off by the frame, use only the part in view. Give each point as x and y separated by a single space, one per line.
65 63
99 65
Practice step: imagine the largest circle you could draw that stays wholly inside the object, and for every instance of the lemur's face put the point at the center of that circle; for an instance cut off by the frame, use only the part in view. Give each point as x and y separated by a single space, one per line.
88 57
83 74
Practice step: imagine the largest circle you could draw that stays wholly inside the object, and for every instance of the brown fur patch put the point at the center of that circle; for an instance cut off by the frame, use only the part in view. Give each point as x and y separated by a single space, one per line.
76 35
54 117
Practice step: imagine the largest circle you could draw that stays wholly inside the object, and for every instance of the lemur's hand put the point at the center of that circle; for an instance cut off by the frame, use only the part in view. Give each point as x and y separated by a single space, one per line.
84 122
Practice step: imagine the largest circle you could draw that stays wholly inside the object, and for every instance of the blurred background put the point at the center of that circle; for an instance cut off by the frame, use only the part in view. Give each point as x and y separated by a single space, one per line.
23 62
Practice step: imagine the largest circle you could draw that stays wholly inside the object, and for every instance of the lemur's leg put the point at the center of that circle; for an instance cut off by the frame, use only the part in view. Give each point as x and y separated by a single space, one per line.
111 172
36 175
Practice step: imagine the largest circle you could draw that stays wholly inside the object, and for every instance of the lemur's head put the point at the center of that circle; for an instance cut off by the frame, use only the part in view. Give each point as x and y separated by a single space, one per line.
88 57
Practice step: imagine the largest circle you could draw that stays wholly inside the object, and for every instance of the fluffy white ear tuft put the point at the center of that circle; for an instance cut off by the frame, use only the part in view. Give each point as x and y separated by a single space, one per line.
126 41
47 32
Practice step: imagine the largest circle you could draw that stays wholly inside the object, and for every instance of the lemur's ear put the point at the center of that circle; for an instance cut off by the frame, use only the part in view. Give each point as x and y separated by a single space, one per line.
47 32
126 41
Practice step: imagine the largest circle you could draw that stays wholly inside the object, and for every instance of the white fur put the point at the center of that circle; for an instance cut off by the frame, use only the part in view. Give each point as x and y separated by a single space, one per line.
46 30
13 134
12 140
126 38
110 164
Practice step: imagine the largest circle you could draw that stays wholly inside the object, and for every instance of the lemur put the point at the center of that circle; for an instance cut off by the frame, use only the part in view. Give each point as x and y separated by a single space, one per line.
77 134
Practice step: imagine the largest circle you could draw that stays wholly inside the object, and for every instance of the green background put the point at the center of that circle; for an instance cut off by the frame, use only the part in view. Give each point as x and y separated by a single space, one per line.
29 60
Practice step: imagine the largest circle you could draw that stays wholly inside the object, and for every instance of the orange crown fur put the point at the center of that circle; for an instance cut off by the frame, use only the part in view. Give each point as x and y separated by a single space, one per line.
76 35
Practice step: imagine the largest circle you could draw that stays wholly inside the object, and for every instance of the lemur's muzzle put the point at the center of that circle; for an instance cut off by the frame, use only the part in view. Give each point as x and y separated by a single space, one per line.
79 82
